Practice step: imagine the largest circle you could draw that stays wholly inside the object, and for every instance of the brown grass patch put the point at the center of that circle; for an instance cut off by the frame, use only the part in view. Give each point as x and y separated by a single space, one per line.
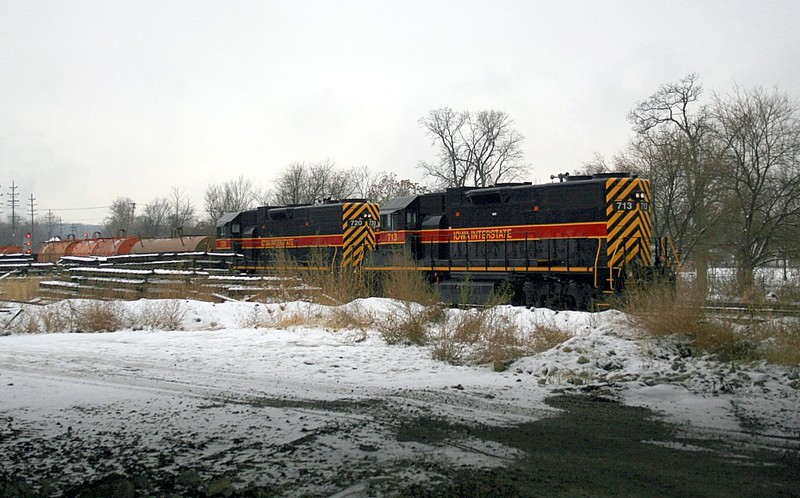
349 317
19 288
97 316
778 341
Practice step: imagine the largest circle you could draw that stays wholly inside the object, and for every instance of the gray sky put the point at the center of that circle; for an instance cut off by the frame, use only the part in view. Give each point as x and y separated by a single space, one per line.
103 99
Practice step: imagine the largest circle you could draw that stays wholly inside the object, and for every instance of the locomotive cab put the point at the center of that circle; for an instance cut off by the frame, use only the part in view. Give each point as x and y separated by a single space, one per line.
228 232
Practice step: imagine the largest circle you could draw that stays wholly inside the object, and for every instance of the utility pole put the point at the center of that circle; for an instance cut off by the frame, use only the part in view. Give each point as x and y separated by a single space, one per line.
13 202
32 203
50 223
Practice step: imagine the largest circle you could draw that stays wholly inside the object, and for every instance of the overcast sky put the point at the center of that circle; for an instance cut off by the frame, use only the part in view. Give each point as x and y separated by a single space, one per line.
104 99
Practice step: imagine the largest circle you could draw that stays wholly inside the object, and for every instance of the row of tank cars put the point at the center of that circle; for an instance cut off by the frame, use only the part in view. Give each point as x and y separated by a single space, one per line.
97 249
52 251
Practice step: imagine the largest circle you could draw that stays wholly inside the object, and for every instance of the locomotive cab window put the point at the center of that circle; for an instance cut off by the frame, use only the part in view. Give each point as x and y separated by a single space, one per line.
391 221
411 219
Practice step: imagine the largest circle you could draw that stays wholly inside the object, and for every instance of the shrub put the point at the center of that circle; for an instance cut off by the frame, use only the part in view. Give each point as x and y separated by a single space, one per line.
161 315
97 316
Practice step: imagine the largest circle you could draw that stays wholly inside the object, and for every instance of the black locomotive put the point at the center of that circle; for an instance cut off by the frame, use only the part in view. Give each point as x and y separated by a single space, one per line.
338 232
561 245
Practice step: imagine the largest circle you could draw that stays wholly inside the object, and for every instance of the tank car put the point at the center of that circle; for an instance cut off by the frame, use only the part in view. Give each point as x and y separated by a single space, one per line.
178 244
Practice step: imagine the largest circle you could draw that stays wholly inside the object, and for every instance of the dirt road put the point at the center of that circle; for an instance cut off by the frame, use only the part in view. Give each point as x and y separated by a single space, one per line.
383 447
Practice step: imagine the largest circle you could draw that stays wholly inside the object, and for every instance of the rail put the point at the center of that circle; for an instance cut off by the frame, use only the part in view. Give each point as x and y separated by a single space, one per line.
751 310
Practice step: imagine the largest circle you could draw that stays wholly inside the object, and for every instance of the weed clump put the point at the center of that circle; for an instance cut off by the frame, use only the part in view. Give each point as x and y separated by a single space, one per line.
409 323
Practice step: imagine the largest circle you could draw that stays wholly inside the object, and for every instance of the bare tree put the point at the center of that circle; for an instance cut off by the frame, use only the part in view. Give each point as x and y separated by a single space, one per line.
154 222
477 150
181 214
444 127
121 216
597 165
364 181
303 183
494 149
290 185
234 195
264 196
761 134
388 186
675 147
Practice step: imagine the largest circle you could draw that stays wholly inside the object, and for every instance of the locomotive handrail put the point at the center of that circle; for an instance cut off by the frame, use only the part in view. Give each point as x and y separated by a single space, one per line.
611 268
597 262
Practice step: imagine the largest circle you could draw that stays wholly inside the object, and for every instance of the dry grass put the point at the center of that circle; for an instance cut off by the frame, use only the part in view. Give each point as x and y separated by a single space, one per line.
20 288
92 315
778 341
320 281
160 315
76 316
266 317
546 337
407 285
662 311
350 317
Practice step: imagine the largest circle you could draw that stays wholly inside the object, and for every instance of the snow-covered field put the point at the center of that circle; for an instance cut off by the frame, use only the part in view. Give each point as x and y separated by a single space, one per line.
309 410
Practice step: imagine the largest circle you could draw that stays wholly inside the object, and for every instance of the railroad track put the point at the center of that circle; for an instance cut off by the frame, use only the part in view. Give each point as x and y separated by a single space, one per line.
750 310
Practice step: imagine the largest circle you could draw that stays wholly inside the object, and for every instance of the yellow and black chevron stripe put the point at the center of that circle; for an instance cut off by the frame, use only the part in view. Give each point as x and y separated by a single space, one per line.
629 221
360 220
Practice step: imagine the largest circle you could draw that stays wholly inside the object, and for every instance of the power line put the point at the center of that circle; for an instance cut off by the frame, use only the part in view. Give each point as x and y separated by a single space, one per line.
80 209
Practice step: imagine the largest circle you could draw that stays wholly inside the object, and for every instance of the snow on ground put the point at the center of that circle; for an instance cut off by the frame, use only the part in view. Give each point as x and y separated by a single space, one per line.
220 378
